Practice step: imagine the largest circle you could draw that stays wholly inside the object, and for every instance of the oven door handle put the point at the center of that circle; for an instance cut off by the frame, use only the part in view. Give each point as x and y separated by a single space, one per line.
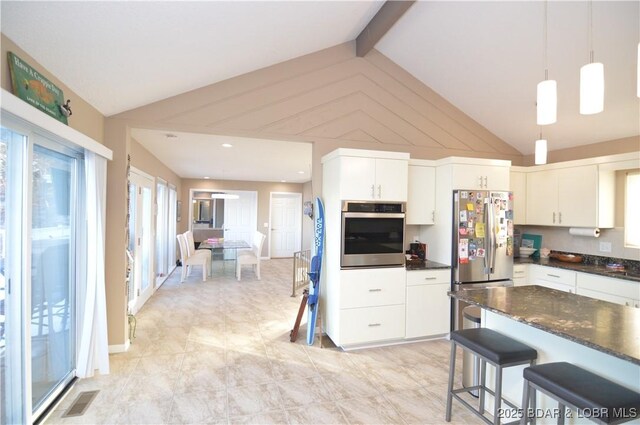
372 215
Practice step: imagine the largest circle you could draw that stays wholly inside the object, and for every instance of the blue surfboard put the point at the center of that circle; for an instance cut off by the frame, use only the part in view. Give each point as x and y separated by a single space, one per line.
314 273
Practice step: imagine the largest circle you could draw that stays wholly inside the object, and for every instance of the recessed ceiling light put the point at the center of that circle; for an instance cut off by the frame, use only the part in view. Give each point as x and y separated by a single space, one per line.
206 177
300 172
283 181
227 145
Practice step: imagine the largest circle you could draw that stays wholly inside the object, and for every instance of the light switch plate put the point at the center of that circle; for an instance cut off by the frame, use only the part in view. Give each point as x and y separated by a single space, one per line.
605 246
265 225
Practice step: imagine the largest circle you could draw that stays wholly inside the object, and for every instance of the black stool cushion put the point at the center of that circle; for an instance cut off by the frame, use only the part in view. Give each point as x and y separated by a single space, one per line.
585 390
494 346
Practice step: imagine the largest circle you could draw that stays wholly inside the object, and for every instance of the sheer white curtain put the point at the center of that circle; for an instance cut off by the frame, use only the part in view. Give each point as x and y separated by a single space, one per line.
93 349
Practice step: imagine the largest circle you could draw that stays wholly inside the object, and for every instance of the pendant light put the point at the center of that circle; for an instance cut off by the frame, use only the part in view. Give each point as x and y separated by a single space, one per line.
541 151
547 90
591 79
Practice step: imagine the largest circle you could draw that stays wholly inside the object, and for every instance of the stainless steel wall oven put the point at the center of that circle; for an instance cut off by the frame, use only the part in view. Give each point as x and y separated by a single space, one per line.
372 234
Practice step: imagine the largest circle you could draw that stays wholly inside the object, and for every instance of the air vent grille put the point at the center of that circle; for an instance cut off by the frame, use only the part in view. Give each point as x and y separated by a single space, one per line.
81 404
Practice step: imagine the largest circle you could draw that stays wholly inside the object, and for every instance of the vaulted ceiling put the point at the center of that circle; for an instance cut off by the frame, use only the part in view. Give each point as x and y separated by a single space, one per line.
485 58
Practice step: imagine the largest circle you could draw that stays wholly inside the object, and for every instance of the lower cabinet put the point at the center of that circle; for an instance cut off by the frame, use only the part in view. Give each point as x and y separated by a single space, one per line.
371 324
552 277
520 275
428 305
619 291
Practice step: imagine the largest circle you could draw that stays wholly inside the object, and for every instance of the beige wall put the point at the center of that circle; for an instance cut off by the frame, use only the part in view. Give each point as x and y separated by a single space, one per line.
264 190
86 119
610 147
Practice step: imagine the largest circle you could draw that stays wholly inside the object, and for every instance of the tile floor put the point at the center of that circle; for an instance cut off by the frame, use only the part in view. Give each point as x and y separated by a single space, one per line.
218 352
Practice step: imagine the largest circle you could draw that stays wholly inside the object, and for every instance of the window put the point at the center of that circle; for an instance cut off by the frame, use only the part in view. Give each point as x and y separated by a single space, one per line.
631 208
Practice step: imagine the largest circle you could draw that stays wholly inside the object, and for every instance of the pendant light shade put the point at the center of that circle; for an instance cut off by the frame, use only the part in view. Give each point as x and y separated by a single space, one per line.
592 88
547 102
541 151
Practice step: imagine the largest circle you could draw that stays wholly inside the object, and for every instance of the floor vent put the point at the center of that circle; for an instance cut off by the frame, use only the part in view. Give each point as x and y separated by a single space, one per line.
81 404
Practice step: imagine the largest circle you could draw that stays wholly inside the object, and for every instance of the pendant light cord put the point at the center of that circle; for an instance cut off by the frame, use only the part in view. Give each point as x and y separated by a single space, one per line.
545 30
590 31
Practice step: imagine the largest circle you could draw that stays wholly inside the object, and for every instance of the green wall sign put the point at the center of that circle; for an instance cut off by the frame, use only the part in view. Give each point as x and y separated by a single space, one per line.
35 89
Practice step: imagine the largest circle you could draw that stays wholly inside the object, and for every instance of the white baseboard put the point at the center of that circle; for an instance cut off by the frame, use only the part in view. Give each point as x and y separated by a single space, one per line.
120 348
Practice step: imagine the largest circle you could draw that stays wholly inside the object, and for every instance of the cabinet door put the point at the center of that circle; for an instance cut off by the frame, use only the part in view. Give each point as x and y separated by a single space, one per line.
421 198
469 176
357 178
518 183
578 196
542 198
428 309
604 296
391 179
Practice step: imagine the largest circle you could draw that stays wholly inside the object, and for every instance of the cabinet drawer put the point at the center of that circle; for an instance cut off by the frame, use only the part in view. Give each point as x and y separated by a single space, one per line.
364 325
616 287
428 277
552 274
520 271
372 287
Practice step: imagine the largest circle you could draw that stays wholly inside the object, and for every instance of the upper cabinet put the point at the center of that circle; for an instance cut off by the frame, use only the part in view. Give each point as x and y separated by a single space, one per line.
421 202
473 173
570 197
518 182
369 175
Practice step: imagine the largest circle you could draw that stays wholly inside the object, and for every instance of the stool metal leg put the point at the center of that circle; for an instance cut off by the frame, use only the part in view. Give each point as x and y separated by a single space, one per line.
533 406
498 396
561 408
452 371
525 402
483 375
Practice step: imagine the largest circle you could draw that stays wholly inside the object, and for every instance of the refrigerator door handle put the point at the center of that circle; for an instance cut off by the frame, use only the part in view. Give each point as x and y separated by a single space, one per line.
491 234
487 239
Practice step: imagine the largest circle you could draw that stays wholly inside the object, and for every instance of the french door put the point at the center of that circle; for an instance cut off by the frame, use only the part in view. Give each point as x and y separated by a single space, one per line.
39 211
141 239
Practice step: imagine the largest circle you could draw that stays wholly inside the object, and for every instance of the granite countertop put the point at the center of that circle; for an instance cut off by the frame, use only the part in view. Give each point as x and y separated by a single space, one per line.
427 265
611 328
601 270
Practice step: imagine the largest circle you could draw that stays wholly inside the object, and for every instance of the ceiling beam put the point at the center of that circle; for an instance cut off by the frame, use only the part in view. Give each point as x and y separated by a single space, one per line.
386 17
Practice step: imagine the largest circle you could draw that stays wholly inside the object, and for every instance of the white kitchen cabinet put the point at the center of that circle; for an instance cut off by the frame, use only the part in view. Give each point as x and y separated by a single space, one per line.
570 197
377 179
481 177
372 287
428 305
359 326
619 291
421 197
520 275
518 183
552 277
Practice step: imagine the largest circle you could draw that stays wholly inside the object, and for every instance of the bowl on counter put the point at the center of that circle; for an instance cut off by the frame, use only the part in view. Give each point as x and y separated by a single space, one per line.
526 251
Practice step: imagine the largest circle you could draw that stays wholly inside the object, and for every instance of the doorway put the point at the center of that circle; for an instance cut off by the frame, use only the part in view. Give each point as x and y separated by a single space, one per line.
141 239
285 224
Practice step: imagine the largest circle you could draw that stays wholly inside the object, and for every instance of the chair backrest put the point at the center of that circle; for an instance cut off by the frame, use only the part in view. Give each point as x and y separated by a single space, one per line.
191 245
184 252
258 240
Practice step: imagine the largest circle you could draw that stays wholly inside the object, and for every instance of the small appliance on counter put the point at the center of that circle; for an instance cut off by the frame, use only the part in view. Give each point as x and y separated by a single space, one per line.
418 249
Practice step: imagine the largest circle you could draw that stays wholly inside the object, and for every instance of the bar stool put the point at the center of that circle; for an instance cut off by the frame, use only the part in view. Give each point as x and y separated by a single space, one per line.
494 348
597 398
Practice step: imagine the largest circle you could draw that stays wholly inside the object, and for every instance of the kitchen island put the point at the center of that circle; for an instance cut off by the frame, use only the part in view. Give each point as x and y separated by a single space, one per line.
598 336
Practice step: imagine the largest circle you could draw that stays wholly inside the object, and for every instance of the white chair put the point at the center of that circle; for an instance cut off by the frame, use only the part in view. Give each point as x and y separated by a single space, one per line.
192 245
251 257
197 259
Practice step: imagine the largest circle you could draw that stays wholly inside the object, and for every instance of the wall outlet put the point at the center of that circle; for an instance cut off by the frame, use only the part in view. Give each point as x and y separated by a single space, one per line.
415 239
605 246
265 225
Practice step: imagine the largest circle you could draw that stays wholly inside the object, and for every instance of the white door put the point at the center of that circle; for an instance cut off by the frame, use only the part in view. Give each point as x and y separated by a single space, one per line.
286 222
141 239
240 217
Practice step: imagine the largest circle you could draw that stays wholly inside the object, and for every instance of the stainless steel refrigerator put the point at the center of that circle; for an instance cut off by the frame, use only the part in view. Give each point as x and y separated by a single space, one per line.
482 254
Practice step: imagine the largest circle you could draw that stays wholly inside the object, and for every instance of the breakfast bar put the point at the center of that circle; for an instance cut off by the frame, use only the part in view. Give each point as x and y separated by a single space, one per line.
598 336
